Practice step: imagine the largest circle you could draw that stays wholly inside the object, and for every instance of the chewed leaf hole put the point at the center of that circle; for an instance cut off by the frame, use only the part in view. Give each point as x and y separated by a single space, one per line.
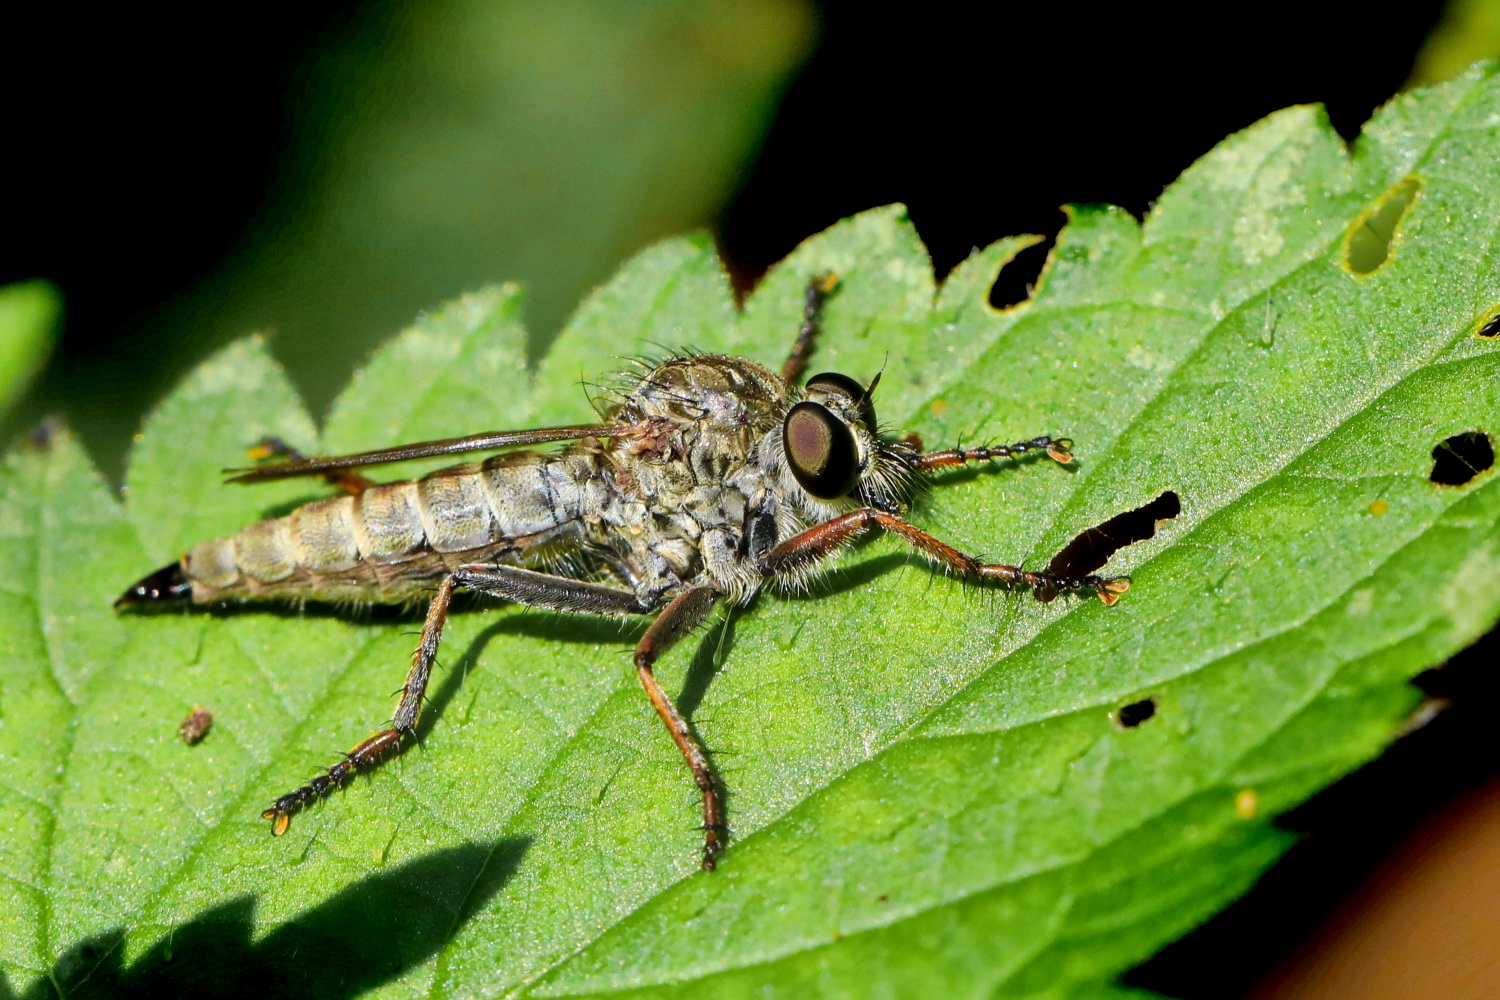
1369 243
1091 549
1458 459
1132 715
1490 327
1018 279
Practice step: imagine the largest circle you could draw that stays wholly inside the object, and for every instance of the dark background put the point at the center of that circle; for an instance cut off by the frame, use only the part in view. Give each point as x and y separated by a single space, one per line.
148 159
984 122
154 160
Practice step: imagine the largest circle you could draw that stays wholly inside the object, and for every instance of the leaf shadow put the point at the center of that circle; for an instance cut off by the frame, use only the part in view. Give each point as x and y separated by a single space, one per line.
362 937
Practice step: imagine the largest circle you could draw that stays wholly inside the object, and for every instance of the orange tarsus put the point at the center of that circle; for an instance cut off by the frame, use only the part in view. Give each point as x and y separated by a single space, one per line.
1110 590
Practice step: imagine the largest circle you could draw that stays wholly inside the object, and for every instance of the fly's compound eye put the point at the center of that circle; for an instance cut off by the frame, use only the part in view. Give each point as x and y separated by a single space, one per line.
835 384
821 451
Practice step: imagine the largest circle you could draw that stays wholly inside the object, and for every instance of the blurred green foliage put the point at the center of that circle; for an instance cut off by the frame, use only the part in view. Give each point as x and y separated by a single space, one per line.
1468 32
29 311
439 145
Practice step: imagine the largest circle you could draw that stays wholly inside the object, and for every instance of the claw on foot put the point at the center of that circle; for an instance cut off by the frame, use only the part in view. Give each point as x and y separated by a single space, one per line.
713 845
1110 590
280 821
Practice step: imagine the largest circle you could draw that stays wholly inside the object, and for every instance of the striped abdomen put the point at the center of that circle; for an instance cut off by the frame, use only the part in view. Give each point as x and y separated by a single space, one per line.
394 541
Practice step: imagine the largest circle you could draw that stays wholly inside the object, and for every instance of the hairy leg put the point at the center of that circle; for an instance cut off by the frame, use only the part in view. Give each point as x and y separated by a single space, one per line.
520 585
376 750
808 546
676 620
555 593
818 290
1058 449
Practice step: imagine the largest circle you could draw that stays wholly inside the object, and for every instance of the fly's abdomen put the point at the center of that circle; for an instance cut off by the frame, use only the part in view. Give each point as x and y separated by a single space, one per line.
395 541
313 552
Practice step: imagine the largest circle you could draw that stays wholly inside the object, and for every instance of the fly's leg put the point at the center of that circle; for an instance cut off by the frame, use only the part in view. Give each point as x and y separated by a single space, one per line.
808 546
519 585
348 480
676 620
554 593
818 290
376 750
1058 449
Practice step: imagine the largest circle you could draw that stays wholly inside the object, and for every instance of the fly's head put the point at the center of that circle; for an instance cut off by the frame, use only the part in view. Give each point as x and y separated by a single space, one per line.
831 449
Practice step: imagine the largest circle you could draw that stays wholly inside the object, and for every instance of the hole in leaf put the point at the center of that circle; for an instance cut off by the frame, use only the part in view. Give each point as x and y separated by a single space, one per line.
1369 243
1137 712
1490 327
1458 459
1092 548
1018 279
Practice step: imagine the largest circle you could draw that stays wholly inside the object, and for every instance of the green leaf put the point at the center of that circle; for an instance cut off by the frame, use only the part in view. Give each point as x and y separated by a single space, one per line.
928 792
29 311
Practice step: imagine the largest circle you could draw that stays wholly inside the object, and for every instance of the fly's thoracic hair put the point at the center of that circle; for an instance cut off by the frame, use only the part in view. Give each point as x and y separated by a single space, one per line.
707 477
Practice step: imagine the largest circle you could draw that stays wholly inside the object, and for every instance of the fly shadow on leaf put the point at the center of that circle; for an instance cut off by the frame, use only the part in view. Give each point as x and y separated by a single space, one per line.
362 937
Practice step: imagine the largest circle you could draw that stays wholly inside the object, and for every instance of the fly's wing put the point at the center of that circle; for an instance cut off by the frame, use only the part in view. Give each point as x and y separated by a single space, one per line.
487 441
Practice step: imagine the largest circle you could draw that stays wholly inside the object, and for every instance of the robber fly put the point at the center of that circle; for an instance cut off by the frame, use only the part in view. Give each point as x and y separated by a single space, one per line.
708 477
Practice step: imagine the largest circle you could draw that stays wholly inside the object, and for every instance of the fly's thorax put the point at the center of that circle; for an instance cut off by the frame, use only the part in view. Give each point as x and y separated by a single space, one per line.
712 402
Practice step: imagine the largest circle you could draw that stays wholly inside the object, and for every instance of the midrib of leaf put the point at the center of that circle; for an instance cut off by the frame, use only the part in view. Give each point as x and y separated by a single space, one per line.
908 914
1065 900
1261 484
872 752
1333 670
